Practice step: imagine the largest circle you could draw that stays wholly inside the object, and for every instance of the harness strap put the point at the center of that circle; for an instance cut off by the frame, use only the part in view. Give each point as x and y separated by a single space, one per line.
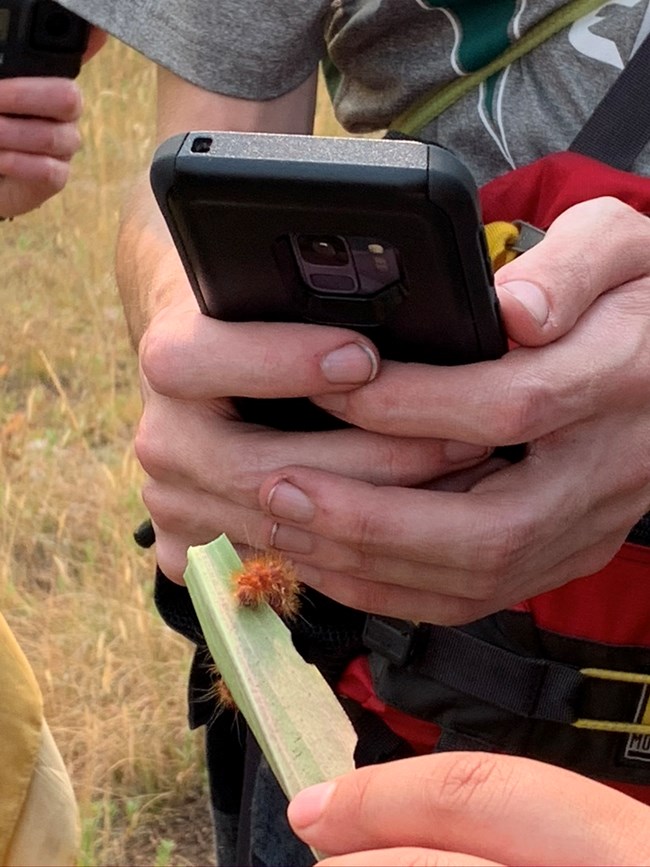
432 104
529 687
619 128
526 686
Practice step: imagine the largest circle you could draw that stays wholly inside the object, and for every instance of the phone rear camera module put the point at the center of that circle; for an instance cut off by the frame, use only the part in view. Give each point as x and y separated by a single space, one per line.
325 264
345 264
339 283
327 250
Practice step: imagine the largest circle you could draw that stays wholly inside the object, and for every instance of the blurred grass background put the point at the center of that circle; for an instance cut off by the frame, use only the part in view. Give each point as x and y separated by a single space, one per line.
73 585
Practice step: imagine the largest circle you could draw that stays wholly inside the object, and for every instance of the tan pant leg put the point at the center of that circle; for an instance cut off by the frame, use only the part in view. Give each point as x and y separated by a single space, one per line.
47 833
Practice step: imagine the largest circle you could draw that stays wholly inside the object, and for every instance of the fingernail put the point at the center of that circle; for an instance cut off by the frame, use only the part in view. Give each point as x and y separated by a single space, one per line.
308 806
354 363
287 501
291 539
458 452
529 296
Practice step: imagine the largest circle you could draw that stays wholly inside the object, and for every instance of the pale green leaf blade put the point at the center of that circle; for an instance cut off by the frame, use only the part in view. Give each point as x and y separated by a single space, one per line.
295 717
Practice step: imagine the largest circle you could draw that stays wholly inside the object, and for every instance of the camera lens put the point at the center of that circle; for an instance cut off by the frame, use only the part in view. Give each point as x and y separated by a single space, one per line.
326 250
57 25
323 249
56 30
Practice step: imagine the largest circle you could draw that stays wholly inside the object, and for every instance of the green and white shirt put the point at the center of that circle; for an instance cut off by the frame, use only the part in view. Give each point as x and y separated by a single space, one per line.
387 53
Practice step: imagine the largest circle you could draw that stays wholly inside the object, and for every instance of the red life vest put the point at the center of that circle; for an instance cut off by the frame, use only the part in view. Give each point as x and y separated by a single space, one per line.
565 676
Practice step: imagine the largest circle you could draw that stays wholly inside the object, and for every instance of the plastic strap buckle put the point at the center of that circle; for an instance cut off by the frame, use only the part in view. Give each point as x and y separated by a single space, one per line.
529 236
390 637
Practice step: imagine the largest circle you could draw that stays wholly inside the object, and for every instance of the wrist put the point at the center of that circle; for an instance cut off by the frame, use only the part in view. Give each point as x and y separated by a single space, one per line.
150 275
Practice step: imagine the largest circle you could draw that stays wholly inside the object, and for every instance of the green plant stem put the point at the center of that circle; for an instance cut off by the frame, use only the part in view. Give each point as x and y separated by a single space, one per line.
295 717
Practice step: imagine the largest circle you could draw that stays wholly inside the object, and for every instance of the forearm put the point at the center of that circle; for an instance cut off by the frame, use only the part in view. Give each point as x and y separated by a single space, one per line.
148 270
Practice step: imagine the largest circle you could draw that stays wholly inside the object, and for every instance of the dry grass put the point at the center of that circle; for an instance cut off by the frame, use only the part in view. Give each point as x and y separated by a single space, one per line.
73 585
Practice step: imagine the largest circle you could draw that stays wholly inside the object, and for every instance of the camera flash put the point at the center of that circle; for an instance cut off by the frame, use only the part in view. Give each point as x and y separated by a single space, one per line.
376 249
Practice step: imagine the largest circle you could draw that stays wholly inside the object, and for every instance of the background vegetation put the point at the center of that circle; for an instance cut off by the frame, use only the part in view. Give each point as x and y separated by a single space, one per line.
73 585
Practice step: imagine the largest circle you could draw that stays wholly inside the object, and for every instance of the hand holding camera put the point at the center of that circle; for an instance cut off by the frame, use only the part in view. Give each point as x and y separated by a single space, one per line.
42 47
40 38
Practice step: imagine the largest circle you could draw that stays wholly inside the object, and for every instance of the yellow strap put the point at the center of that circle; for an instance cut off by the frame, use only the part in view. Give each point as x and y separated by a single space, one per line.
635 728
500 237
618 676
598 725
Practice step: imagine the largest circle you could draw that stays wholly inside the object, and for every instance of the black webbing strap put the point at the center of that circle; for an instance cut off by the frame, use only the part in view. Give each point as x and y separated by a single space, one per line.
526 686
619 128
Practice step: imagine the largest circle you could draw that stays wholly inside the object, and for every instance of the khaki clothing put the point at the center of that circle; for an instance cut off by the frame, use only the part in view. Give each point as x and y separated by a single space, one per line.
39 822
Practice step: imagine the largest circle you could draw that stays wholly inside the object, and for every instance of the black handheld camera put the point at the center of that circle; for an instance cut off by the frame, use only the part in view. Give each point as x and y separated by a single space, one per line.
39 37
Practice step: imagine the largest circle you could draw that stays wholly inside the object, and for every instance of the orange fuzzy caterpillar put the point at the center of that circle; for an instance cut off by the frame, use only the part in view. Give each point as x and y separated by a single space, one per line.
222 694
219 691
268 578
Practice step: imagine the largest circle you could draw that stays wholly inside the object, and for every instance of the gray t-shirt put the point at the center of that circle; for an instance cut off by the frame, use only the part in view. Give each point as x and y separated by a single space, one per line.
387 53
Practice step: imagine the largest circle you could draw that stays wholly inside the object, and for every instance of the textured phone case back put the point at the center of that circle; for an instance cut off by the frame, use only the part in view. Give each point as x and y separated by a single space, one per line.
234 209
238 206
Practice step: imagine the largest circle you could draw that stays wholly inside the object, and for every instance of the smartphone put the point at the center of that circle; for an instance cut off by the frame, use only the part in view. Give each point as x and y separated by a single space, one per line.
39 37
383 237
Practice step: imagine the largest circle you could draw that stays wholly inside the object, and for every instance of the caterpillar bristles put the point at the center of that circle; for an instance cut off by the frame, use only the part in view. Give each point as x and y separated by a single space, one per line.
269 578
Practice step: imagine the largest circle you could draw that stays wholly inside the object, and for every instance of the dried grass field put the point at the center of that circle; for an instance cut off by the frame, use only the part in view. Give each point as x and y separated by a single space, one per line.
73 585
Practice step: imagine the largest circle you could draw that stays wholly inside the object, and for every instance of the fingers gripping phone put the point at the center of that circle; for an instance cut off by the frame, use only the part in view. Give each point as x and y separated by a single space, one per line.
40 37
380 236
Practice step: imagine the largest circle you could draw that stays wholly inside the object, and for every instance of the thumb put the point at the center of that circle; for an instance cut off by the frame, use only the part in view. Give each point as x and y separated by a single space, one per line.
590 249
492 807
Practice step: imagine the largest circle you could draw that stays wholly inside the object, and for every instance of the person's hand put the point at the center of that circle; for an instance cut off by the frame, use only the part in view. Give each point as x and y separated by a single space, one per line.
577 390
38 136
470 809
205 466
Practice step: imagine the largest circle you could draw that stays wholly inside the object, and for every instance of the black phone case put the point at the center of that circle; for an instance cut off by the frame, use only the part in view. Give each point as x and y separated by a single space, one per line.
234 202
